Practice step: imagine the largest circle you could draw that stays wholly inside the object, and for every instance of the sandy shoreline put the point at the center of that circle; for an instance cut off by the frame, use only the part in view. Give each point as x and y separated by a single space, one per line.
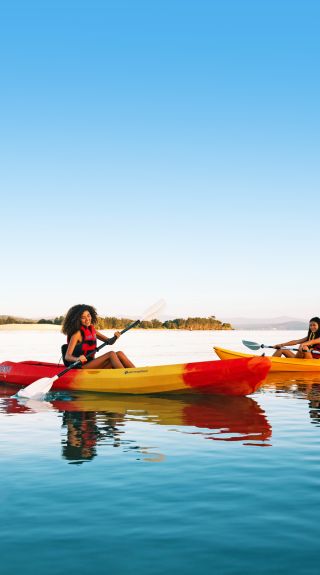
30 326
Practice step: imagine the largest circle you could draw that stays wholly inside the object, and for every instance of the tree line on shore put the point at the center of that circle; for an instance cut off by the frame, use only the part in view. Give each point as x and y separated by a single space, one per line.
197 323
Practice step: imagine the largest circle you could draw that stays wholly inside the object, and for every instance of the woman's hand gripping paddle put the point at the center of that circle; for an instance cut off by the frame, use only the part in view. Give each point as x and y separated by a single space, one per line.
39 388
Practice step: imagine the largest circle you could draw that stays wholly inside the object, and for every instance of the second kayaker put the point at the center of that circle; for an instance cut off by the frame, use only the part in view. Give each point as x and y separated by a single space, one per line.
308 346
82 337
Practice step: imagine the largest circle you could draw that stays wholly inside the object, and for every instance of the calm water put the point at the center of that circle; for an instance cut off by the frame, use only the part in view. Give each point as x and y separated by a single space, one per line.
120 485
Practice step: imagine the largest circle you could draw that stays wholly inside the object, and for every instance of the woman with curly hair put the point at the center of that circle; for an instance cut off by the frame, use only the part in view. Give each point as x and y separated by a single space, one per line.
82 337
308 345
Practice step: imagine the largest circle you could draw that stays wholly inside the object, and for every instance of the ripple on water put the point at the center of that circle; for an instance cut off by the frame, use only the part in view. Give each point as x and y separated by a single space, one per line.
162 485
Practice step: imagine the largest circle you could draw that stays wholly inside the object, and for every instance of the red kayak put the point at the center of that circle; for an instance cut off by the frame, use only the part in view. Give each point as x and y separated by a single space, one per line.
227 377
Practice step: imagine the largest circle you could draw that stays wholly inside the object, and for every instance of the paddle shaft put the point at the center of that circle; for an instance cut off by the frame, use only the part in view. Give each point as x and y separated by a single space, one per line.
289 348
110 341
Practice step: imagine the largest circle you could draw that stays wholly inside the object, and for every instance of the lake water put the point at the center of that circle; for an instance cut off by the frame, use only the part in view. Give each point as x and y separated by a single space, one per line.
107 484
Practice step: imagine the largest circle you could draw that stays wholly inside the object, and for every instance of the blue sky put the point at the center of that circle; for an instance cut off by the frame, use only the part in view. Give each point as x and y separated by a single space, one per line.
160 149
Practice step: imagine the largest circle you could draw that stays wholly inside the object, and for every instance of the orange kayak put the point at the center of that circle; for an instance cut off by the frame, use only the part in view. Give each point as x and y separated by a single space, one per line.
285 364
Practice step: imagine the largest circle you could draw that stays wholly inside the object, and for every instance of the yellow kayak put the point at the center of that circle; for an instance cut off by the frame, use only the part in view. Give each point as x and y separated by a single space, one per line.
277 363
217 377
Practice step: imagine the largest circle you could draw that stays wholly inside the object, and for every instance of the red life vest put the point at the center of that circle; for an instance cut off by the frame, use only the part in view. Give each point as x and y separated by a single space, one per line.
89 340
315 347
88 343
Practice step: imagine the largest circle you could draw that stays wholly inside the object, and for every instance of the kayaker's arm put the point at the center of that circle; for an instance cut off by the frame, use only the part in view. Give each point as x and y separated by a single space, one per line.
75 338
108 339
310 342
293 342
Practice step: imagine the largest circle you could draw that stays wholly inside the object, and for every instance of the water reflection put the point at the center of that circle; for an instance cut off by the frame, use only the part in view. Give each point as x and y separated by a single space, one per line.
90 420
283 379
82 436
86 429
299 385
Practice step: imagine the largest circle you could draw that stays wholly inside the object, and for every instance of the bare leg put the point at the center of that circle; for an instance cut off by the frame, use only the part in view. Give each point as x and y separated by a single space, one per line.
285 352
108 360
300 355
124 359
307 355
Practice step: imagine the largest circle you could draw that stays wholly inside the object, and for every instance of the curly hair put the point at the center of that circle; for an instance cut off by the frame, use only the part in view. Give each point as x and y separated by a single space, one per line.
317 333
72 321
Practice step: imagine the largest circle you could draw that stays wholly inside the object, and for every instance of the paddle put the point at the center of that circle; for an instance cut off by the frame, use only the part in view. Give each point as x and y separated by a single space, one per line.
255 346
39 388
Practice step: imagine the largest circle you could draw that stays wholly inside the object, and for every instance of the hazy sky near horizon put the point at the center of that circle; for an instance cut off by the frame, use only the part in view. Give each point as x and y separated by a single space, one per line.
164 148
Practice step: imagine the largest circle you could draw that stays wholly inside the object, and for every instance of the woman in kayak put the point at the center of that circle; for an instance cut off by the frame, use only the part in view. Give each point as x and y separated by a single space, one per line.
82 337
308 346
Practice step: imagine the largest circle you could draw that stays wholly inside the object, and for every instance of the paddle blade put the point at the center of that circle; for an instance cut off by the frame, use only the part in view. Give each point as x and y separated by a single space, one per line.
37 389
35 405
153 310
251 344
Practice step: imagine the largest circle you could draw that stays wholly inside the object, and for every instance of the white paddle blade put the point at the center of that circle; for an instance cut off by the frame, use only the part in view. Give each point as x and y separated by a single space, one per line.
152 311
251 344
37 389
37 406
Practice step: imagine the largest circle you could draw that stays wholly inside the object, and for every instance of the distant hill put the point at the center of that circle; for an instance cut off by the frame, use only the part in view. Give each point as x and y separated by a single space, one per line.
190 323
278 323
13 319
